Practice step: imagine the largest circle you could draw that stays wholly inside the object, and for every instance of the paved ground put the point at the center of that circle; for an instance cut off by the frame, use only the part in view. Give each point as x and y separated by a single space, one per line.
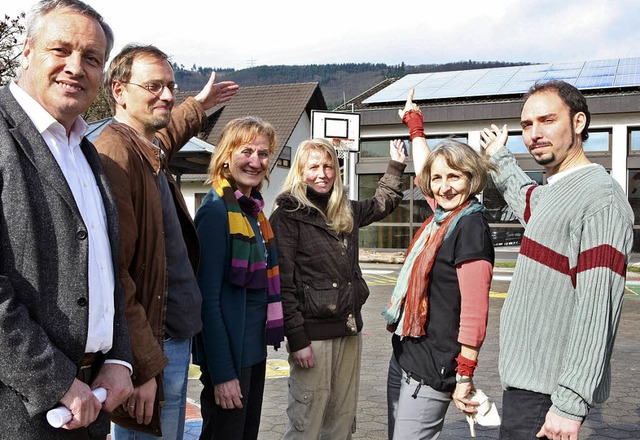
618 418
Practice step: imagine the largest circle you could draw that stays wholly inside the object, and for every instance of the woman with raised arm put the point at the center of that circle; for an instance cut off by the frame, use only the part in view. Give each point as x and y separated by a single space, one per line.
438 309
316 228
238 279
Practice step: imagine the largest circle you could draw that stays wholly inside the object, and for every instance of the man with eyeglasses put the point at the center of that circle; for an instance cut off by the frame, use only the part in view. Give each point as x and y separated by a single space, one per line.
159 248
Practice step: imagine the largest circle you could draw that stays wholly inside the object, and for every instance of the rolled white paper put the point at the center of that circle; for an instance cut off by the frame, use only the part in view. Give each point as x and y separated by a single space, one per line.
61 415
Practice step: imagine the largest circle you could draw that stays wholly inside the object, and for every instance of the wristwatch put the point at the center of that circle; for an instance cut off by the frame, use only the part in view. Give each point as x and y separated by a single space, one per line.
463 379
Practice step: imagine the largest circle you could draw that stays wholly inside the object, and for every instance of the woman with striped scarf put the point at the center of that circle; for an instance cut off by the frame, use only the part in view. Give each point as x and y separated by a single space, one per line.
239 281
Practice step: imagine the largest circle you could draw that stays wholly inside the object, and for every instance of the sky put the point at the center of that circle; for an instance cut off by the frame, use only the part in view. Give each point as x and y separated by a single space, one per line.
250 33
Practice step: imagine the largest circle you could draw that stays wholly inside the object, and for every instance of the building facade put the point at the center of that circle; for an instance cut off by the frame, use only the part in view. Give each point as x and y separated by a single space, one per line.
462 109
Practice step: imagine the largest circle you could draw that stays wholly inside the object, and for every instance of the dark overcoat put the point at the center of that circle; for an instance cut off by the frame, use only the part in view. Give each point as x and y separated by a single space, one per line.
44 254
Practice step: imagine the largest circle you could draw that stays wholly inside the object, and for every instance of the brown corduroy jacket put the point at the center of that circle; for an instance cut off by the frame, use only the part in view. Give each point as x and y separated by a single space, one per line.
132 164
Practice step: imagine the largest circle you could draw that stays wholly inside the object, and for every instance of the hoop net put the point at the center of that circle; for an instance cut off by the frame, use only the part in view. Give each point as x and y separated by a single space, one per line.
343 146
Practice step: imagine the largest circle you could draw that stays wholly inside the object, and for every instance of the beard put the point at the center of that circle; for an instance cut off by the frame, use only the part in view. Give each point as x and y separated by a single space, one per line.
158 123
551 158
545 160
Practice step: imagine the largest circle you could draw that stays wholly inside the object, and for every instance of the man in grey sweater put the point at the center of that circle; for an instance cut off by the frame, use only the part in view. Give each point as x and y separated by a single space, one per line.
559 320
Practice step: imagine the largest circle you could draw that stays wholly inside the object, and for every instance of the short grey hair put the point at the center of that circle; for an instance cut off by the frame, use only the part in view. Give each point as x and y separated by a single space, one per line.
461 157
42 8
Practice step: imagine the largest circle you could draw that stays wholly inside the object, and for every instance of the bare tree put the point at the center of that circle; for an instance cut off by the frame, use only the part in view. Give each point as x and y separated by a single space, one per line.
11 30
99 108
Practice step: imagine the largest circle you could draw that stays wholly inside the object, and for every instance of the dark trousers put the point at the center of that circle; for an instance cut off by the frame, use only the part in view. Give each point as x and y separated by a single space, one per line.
523 413
231 424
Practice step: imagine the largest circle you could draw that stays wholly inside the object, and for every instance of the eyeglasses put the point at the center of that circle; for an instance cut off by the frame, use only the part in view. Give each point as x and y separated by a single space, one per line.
155 88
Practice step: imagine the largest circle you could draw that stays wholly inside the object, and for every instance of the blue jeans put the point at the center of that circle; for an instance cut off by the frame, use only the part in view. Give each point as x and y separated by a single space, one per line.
176 377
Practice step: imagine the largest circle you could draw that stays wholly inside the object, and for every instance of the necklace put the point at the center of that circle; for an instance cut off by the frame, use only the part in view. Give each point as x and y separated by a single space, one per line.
264 243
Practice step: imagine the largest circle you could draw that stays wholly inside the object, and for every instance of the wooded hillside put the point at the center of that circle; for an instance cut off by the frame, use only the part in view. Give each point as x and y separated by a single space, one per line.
339 82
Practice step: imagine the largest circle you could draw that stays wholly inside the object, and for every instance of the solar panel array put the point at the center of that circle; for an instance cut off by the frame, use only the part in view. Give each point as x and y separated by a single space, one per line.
599 74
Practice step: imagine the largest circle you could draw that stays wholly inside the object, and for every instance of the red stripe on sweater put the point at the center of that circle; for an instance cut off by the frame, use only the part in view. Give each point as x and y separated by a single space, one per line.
600 256
527 207
545 256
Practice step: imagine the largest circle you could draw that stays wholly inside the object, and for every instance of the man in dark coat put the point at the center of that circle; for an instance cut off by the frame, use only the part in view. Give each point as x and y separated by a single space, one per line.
63 328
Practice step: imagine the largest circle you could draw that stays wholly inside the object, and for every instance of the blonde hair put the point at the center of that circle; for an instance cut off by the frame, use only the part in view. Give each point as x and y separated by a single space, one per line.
460 157
236 133
338 213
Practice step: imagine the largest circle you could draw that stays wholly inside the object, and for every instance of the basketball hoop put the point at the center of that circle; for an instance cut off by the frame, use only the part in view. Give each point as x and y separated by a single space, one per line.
343 146
339 128
342 130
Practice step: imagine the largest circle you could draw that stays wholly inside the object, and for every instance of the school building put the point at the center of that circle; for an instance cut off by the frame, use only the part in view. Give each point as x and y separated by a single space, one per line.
460 104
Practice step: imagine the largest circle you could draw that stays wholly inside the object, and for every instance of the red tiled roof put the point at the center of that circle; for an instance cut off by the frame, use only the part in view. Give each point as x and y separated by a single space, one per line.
282 105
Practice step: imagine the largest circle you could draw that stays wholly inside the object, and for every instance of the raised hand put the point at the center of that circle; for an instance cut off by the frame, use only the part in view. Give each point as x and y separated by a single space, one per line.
494 138
396 150
408 105
214 93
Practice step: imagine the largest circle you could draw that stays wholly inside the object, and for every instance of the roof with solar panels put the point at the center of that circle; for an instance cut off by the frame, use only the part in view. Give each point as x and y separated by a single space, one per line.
598 76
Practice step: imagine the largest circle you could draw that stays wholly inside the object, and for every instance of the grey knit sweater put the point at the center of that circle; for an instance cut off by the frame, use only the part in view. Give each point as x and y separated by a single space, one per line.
559 320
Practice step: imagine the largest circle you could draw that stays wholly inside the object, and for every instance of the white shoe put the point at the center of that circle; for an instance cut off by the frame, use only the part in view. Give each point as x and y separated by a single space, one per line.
487 414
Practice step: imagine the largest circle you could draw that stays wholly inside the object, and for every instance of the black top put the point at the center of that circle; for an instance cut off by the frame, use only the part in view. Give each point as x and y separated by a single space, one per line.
432 357
320 200
183 300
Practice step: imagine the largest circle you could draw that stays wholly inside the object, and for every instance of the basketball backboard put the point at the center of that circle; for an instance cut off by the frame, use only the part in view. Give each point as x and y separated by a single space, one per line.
341 128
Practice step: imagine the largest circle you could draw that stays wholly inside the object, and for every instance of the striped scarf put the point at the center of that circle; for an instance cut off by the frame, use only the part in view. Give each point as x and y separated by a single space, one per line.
409 302
250 268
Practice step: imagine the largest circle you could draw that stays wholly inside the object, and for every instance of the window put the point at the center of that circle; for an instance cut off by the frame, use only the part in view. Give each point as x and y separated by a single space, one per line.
633 192
199 198
284 161
506 230
433 141
516 145
380 147
393 231
599 141
374 148
634 140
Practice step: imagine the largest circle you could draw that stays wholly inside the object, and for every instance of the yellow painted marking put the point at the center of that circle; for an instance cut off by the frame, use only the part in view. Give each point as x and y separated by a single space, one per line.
194 371
277 368
630 291
380 280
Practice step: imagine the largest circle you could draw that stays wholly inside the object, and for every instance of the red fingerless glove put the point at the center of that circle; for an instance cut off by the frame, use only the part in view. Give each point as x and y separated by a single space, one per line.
414 120
465 366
